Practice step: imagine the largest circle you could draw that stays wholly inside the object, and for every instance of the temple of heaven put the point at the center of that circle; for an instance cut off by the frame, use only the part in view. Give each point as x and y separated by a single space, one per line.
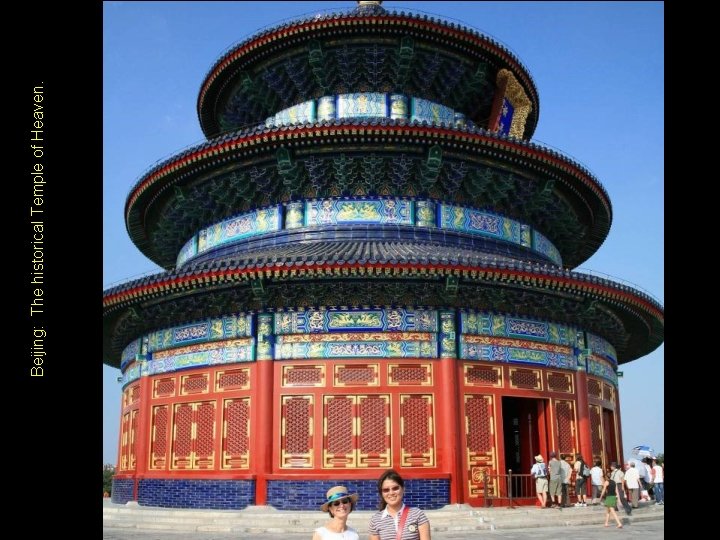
368 264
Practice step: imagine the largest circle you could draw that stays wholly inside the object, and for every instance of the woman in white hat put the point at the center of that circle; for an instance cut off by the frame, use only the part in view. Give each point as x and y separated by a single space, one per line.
339 504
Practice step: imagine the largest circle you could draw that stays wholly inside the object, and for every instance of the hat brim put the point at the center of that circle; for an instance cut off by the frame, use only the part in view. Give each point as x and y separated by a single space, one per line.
353 497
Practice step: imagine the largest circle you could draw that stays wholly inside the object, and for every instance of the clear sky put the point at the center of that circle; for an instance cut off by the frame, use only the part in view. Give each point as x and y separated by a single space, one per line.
599 71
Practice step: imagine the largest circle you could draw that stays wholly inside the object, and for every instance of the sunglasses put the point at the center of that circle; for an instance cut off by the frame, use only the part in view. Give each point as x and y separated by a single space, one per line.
389 489
346 500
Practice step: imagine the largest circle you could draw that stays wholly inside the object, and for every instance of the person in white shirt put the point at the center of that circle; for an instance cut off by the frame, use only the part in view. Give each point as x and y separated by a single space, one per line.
597 477
632 481
659 482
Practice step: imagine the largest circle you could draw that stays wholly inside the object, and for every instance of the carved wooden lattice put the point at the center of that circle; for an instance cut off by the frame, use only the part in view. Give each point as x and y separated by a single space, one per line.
339 447
194 384
296 436
482 376
480 442
374 431
356 375
182 436
409 374
236 434
164 387
559 382
608 393
159 438
416 432
233 379
596 431
525 378
135 394
594 388
564 411
303 376
205 438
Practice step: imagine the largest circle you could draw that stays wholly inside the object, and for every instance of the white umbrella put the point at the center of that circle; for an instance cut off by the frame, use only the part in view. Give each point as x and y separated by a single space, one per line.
643 451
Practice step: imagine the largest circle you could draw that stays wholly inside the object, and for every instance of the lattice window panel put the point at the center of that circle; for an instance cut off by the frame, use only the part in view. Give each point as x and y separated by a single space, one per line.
608 393
417 440
194 384
127 440
164 387
480 453
296 448
374 431
135 394
236 434
159 437
234 379
303 376
565 414
405 374
482 376
560 382
356 375
339 431
525 378
596 431
594 388
193 439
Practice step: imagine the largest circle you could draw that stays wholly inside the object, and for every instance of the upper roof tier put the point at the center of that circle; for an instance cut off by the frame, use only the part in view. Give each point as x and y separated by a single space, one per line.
368 49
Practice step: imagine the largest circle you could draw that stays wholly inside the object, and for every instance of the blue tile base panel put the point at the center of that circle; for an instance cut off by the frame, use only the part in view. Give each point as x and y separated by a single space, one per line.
310 494
122 490
210 494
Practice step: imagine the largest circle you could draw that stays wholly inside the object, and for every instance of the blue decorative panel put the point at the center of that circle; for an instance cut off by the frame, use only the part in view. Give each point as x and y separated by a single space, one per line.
333 211
362 105
526 236
601 368
473 221
430 112
130 352
399 107
425 214
357 345
431 494
600 347
447 334
494 324
265 337
298 114
294 215
326 108
544 246
209 494
204 331
506 117
188 251
487 349
131 374
202 354
239 227
317 321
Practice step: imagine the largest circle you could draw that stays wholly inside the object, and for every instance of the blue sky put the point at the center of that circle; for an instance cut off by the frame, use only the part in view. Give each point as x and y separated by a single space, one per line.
599 71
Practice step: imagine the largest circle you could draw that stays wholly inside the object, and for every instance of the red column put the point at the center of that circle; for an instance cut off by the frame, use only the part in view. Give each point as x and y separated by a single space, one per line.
621 454
261 429
448 428
583 413
143 433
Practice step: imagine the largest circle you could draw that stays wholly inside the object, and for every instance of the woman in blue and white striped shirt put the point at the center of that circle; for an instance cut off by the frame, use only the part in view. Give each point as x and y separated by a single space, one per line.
395 520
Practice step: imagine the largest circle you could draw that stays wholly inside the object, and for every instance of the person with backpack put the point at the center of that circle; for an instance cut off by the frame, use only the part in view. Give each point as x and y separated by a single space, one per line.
582 473
539 472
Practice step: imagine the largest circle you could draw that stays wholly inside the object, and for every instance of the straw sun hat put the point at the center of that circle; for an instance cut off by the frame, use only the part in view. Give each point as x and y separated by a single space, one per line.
336 493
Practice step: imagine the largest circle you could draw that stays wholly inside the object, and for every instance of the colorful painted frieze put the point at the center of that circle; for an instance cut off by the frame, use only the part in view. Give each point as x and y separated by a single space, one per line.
188 251
356 345
294 213
362 105
513 351
448 335
130 352
469 220
326 321
265 337
544 246
202 354
494 324
601 368
204 331
601 347
131 374
240 227
298 114
423 110
381 211
425 214
506 117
